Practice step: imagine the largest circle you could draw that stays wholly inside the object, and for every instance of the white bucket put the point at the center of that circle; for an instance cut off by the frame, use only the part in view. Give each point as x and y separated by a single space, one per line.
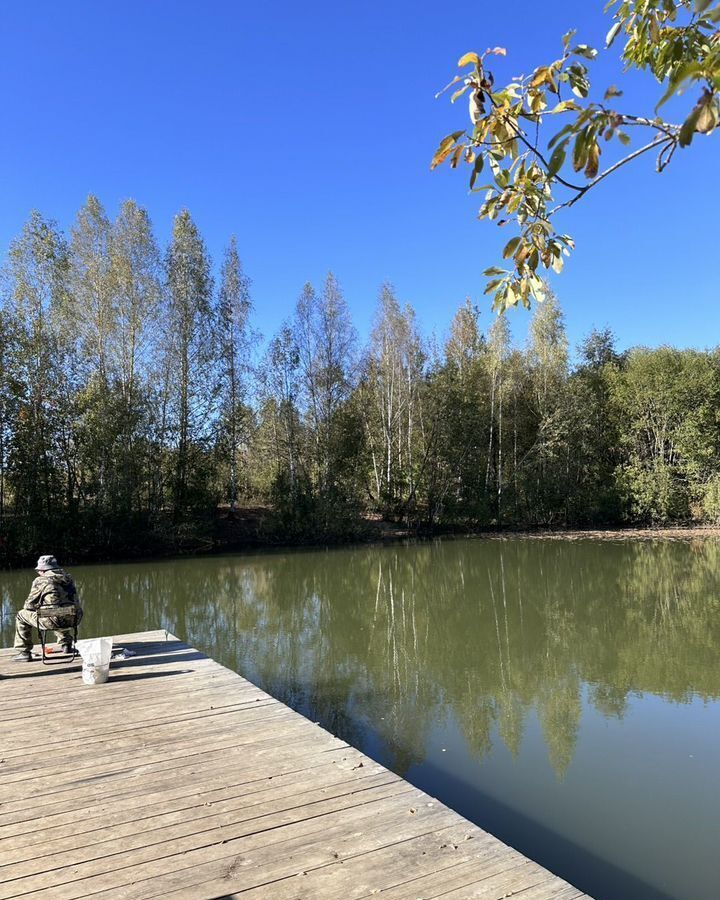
95 654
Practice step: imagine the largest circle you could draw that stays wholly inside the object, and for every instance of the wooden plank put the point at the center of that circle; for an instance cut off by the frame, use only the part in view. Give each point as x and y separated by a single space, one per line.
369 874
510 883
267 871
112 740
277 726
239 807
183 780
99 875
202 718
269 763
160 809
192 761
184 681
461 870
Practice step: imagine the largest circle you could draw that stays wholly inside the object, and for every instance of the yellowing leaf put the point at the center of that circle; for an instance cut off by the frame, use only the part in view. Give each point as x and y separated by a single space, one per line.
469 58
612 91
445 148
455 158
593 160
459 93
580 151
565 106
707 120
541 76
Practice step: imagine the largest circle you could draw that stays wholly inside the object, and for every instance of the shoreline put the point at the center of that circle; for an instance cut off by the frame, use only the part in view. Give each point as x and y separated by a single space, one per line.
384 533
634 533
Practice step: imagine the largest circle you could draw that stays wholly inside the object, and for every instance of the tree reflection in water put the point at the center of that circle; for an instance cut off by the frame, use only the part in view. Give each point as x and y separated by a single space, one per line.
384 644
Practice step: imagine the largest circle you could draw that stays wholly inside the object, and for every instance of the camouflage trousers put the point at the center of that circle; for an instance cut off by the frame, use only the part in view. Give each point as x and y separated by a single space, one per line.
25 621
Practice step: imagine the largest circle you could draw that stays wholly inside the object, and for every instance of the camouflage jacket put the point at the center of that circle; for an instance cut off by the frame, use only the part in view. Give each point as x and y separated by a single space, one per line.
52 588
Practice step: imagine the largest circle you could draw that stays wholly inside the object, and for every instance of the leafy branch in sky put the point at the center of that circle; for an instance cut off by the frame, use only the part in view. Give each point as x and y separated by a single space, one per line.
533 177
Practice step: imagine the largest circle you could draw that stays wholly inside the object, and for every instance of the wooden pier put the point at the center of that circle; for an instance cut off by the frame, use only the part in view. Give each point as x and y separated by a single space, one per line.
180 779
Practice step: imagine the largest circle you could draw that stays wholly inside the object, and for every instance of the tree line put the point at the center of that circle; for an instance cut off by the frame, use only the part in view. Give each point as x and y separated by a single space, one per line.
136 415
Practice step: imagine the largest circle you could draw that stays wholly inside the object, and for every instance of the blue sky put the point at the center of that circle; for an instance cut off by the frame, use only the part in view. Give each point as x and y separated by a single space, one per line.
307 130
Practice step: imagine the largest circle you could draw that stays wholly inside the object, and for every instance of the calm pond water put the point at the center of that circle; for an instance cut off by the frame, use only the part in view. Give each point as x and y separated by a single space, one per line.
563 695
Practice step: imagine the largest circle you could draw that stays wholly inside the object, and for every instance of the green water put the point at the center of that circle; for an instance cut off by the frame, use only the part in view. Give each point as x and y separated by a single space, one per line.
563 695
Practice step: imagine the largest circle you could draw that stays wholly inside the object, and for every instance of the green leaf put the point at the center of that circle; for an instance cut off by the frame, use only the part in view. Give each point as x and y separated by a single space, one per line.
493 270
584 51
623 138
702 5
557 159
477 169
563 131
511 247
688 127
612 34
681 75
568 36
492 285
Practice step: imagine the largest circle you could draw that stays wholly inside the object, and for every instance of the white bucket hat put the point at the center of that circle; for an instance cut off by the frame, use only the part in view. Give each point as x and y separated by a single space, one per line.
45 563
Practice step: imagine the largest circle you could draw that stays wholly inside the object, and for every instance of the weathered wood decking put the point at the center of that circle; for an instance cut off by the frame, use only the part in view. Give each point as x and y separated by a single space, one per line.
180 779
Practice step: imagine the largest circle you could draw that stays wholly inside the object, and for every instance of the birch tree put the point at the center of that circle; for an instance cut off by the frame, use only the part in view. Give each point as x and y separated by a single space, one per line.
191 356
548 460
392 410
138 306
37 271
278 441
326 342
498 350
233 311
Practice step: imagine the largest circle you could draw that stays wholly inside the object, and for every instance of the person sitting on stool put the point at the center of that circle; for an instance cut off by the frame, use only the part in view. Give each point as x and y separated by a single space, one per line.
52 587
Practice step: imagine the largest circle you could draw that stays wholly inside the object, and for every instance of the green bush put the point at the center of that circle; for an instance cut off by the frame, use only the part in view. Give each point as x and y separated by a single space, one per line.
711 499
653 495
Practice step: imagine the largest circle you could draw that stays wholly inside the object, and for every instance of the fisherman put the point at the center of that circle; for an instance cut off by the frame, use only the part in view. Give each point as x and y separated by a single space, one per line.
52 587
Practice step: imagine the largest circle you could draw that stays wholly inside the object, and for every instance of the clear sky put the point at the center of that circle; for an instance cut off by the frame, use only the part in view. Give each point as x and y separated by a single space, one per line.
307 128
